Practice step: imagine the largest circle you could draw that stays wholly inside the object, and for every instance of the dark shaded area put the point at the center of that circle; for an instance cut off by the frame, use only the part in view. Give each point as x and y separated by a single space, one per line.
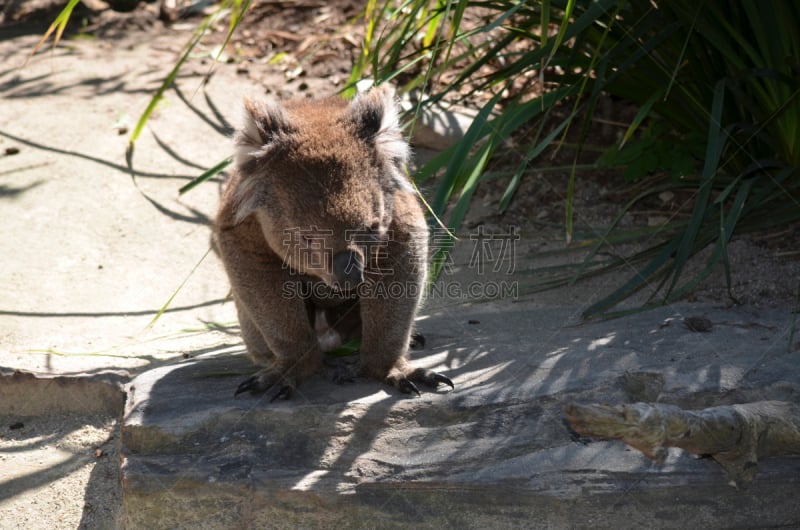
12 192
107 19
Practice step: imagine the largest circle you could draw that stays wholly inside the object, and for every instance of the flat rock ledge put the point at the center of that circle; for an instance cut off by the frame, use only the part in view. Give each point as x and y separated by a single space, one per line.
26 394
496 452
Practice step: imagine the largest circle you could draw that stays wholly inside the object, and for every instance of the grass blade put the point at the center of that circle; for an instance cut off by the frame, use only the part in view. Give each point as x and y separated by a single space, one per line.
717 138
58 25
209 173
175 293
198 34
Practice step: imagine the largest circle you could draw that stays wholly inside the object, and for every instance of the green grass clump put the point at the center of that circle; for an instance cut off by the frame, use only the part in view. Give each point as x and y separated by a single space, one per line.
715 87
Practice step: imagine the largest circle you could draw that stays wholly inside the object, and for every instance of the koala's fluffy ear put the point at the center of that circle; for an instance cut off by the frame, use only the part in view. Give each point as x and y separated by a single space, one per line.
264 123
263 126
374 116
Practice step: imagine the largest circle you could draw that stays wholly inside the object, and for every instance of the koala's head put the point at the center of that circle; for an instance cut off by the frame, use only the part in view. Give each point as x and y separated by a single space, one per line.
320 178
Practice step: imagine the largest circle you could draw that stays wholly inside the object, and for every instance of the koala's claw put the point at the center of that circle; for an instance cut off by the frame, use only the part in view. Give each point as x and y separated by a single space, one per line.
431 378
428 378
407 387
284 393
434 378
252 385
261 382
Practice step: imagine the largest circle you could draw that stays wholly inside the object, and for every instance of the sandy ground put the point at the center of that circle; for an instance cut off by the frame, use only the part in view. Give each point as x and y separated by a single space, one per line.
46 465
91 253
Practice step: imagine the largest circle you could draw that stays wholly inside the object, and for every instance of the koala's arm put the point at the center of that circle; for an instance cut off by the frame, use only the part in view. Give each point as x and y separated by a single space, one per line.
387 321
275 327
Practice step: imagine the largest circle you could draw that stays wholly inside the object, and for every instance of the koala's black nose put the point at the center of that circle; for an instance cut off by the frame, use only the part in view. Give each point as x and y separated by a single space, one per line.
348 267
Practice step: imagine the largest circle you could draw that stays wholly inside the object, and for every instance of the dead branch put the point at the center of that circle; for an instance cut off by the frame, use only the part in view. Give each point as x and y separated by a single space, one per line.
736 436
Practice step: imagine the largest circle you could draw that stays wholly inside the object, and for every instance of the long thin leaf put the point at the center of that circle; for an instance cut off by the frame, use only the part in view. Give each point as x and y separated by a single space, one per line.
641 115
58 25
180 287
479 128
207 174
717 138
195 39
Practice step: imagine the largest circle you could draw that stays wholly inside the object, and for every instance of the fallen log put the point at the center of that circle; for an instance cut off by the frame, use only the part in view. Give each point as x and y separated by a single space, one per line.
735 436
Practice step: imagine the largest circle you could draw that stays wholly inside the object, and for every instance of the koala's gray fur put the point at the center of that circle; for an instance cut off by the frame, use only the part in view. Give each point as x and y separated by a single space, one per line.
318 209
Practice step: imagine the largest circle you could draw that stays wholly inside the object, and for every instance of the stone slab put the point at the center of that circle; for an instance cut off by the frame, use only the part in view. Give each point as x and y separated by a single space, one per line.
26 394
496 452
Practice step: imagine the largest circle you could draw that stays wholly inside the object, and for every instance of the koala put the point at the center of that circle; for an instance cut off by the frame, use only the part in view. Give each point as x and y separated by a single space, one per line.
324 240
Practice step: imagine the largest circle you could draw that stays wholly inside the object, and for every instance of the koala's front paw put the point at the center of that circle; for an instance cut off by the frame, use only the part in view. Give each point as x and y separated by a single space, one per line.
405 383
265 379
